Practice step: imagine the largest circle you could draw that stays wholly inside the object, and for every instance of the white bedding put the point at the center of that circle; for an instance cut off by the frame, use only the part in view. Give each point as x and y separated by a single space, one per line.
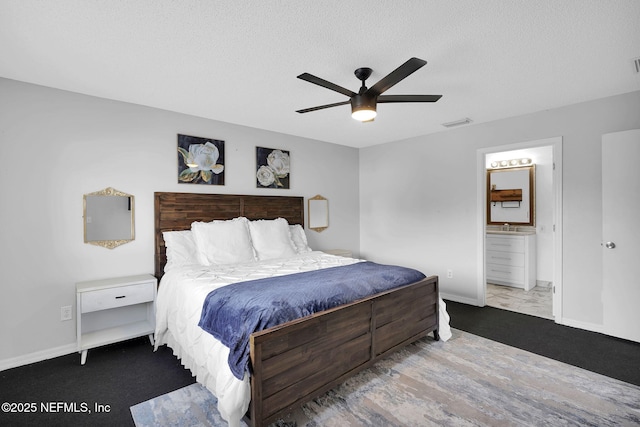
180 298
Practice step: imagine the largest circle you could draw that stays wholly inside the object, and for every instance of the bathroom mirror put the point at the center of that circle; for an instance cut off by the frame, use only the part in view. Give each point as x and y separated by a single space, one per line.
318 211
108 218
511 196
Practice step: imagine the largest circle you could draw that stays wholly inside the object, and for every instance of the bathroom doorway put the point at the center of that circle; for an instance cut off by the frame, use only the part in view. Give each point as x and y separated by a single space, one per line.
543 298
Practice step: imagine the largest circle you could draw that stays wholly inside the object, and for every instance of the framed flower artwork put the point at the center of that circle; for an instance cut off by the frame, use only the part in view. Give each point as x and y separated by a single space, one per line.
200 160
272 168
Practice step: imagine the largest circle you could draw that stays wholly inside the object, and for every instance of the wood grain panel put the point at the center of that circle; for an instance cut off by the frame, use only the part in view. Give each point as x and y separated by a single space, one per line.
329 334
397 334
330 364
511 195
302 332
386 308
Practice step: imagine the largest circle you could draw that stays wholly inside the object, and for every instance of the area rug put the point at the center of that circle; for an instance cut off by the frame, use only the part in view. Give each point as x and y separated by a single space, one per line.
466 381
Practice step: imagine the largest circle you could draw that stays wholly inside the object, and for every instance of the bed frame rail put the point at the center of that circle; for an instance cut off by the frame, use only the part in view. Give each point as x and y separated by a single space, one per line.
297 361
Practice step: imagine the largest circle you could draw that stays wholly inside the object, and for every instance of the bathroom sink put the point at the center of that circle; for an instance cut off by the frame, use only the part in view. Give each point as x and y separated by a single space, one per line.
513 233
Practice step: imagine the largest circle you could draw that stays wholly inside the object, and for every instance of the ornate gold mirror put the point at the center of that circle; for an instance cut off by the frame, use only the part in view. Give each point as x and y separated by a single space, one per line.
511 196
318 212
108 218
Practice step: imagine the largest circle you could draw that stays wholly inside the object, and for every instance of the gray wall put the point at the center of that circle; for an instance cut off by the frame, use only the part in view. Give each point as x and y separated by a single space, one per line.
418 199
56 146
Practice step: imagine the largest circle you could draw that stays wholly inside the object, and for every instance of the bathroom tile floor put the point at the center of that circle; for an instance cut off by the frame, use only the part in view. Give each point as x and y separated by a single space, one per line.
535 302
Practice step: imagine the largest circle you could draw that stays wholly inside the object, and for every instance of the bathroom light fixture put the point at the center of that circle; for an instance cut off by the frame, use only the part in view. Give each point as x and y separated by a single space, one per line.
513 163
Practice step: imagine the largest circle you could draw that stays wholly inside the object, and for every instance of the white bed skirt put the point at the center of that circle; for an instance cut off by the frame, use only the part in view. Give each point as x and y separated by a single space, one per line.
233 395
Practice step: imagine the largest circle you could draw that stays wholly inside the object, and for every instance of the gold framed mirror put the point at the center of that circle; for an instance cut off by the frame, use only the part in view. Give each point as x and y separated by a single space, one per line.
511 196
318 212
108 217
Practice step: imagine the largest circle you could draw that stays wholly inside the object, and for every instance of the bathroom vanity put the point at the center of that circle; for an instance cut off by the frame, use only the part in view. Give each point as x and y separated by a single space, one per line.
511 258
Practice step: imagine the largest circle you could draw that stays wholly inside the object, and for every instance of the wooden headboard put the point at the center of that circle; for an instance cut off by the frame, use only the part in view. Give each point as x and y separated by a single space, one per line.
176 211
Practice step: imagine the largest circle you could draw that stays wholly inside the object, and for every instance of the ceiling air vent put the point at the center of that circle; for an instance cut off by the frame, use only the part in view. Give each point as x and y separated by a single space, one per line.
636 65
460 122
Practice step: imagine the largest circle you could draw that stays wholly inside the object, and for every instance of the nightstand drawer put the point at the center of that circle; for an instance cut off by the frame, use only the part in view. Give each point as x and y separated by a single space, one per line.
117 297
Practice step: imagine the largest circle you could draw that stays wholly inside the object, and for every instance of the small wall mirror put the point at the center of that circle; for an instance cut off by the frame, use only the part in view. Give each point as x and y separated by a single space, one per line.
511 196
318 213
108 218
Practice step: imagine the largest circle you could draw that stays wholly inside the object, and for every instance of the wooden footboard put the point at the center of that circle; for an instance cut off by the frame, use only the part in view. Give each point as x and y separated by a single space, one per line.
297 361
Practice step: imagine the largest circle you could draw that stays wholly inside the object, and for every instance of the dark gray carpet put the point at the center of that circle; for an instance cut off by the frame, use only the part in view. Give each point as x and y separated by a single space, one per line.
118 375
604 354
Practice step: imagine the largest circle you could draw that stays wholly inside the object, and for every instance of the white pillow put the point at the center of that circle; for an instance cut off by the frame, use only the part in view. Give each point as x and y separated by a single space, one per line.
223 242
299 238
181 249
271 238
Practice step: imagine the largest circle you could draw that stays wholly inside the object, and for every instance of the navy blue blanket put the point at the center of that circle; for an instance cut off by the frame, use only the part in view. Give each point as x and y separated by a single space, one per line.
232 313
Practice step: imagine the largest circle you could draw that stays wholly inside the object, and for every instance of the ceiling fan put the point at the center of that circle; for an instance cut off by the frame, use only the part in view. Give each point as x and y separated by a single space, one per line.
363 103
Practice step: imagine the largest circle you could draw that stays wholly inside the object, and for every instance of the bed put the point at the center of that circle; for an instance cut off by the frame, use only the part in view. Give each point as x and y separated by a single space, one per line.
293 362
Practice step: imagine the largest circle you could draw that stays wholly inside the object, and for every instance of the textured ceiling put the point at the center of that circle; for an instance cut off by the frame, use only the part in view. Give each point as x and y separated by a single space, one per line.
237 61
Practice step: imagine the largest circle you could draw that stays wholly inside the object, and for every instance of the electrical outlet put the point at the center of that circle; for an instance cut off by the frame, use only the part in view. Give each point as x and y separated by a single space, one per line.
66 313
449 274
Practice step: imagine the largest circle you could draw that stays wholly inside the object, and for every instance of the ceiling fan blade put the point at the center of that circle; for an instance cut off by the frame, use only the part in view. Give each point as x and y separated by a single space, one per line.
400 73
321 107
322 82
408 98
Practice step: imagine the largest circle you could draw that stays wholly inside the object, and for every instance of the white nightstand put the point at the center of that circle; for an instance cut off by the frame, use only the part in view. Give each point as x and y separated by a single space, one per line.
112 310
340 252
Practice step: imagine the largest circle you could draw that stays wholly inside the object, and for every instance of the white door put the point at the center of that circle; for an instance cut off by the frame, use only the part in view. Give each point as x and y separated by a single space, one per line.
621 234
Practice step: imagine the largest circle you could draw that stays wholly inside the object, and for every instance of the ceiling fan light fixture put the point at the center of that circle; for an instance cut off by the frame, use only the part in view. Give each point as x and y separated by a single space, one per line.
364 115
363 108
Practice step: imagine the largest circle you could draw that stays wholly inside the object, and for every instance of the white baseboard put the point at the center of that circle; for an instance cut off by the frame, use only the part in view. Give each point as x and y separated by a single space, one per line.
459 299
38 356
593 327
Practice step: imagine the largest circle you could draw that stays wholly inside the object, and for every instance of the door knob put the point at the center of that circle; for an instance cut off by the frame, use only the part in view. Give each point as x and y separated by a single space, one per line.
609 245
